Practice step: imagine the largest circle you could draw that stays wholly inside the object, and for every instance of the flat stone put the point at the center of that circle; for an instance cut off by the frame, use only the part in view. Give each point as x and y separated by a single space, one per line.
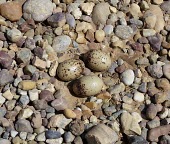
11 10
39 10
51 134
27 85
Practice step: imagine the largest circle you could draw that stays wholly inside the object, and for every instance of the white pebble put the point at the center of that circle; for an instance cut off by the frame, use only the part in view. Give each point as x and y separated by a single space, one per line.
128 77
138 97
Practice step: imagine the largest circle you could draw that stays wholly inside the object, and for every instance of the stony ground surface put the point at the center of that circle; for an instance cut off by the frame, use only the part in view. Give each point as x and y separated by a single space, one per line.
84 72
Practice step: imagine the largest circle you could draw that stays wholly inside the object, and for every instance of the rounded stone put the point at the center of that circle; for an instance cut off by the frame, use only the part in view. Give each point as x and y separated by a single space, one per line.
166 71
61 43
127 77
39 10
69 113
99 35
138 97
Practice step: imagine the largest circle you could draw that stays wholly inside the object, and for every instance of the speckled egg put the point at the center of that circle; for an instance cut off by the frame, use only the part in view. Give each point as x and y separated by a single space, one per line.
88 86
98 60
70 69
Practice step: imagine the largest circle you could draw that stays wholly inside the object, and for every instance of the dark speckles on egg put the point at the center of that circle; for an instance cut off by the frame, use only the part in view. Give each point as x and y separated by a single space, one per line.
70 69
98 60
87 86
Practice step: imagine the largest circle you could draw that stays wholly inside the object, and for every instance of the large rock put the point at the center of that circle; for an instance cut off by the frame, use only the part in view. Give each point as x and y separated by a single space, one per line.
11 10
39 10
100 13
61 43
101 134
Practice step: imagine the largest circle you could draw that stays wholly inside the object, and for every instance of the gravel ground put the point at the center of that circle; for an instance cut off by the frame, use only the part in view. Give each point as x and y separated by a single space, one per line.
84 72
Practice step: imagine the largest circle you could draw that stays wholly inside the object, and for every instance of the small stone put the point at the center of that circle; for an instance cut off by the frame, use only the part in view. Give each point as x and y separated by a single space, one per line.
155 42
23 125
5 77
153 123
24 56
155 70
5 141
41 137
99 35
61 43
166 71
69 113
108 29
160 97
38 10
25 113
151 111
36 120
87 8
51 134
24 100
37 62
27 85
54 141
57 20
101 134
130 124
137 140
98 16
33 94
23 135
58 121
127 77
138 97
14 34
11 10
165 139
78 140
123 32
46 95
76 127
5 59
155 133
68 137
165 6
59 103
8 95
70 20
40 104
148 32
13 133
2 100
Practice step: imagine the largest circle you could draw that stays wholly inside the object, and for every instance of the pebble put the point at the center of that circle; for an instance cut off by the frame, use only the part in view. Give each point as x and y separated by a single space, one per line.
155 42
46 95
23 56
76 127
59 121
166 71
98 16
57 20
5 141
51 134
11 10
155 70
33 94
5 60
27 85
41 137
69 113
25 113
101 134
138 97
70 20
5 77
39 10
99 35
68 137
127 77
137 140
59 103
151 111
61 43
13 34
123 32
23 125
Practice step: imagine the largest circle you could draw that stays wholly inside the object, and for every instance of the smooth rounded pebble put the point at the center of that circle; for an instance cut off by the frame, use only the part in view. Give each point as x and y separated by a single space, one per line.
138 97
166 71
39 10
88 86
127 77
